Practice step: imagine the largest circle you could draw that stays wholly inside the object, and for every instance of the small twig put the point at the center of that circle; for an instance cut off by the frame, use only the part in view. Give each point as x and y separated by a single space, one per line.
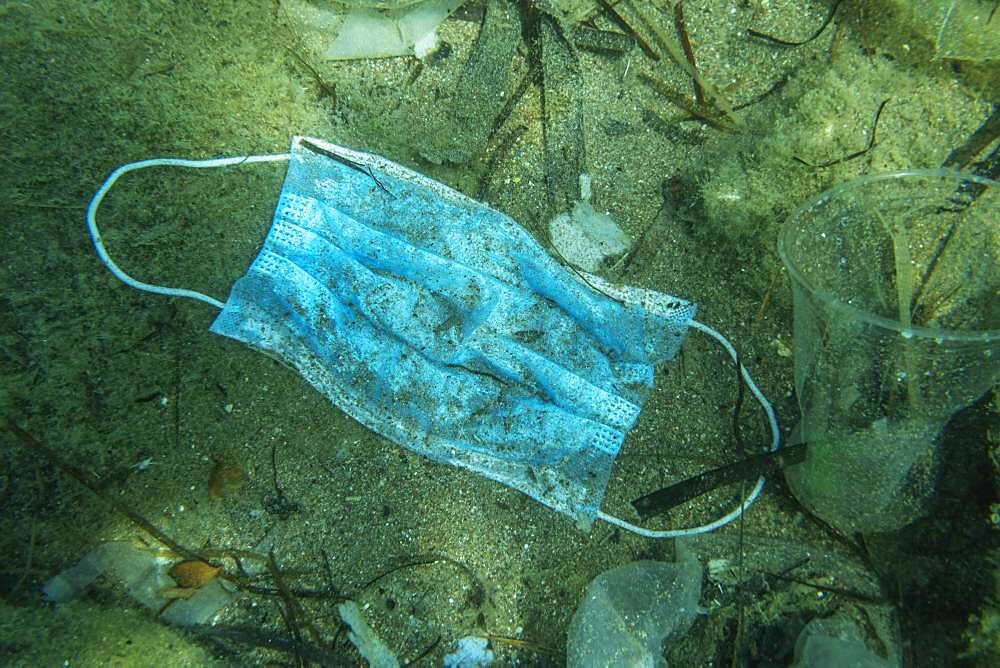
740 572
682 35
165 69
423 560
39 449
857 596
979 140
47 205
622 23
625 260
177 391
278 504
325 89
347 162
737 436
712 98
775 87
427 650
931 265
295 617
28 559
785 43
767 297
702 112
521 644
607 42
856 154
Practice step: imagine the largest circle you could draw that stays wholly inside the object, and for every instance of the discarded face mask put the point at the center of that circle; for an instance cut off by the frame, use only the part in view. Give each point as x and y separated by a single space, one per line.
442 325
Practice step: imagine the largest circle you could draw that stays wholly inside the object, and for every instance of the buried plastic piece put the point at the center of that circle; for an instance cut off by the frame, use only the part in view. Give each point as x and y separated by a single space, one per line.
628 612
585 237
442 325
832 643
363 637
144 575
371 29
470 652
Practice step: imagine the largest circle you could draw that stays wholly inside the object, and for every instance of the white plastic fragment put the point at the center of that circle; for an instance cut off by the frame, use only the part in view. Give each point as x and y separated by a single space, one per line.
585 237
470 652
203 606
143 573
371 648
371 33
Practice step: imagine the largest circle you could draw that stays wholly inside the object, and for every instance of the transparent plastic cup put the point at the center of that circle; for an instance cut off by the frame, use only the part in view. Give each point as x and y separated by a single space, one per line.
896 293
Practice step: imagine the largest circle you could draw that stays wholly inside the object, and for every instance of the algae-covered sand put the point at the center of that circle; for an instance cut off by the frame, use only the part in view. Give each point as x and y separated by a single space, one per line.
131 390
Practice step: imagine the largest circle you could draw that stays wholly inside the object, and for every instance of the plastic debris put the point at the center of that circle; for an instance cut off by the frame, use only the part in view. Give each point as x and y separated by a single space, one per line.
830 643
585 237
363 31
470 652
369 645
629 611
144 573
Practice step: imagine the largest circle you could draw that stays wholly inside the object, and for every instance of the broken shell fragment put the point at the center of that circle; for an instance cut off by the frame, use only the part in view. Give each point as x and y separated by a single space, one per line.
193 573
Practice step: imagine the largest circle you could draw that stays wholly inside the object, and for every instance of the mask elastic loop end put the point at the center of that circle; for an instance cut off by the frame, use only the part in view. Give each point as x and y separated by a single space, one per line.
754 493
98 197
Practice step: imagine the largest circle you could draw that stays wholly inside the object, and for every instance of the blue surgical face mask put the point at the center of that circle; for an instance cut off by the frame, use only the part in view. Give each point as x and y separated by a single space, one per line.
442 325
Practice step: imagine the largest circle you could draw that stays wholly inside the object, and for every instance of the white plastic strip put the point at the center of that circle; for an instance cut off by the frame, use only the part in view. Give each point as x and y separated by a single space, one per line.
98 197
754 493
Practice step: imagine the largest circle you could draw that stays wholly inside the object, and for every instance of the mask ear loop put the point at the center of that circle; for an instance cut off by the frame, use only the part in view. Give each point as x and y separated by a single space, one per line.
754 493
95 202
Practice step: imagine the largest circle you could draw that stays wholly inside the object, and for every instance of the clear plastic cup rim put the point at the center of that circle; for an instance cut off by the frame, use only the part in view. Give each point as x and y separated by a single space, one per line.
939 335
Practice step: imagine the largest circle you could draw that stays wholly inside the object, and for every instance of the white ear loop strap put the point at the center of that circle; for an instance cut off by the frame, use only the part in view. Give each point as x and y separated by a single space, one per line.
95 202
754 493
